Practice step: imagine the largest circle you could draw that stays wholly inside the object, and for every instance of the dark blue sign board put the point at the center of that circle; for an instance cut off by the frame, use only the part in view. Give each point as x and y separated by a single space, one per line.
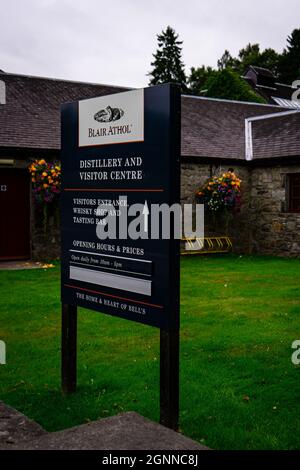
103 161
121 147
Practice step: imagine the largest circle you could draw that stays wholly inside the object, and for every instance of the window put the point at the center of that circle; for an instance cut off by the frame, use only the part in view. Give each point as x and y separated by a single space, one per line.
294 192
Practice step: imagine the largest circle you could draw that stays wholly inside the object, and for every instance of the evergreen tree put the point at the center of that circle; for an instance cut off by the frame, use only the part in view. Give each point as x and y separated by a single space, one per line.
289 64
167 65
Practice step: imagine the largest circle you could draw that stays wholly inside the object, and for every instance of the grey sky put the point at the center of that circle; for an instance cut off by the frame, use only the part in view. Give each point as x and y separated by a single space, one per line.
112 41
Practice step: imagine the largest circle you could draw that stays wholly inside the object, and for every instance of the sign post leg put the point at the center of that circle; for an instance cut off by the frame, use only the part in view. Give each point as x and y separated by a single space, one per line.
169 378
69 348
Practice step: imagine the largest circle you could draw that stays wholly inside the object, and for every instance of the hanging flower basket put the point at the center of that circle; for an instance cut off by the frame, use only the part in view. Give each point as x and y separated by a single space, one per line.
221 197
46 185
221 193
46 178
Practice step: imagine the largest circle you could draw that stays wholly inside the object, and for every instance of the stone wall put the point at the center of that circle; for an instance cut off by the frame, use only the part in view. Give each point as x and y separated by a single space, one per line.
194 175
263 224
273 230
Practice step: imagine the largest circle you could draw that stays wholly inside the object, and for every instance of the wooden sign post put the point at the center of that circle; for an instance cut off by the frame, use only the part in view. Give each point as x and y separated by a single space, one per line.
119 151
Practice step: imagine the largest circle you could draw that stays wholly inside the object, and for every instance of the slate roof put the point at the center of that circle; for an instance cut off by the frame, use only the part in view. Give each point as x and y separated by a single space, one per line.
276 137
263 71
211 128
31 116
216 128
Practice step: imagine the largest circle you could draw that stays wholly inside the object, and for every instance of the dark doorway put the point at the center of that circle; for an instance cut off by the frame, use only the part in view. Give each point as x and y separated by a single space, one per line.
14 214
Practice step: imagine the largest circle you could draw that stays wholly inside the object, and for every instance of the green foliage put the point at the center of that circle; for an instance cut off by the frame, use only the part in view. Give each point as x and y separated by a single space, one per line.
167 65
227 84
285 65
201 78
198 79
226 61
269 59
169 68
250 55
289 63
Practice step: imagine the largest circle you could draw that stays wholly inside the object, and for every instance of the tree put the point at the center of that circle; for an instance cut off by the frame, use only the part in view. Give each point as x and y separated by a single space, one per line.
198 79
289 64
228 84
269 59
167 65
250 55
226 61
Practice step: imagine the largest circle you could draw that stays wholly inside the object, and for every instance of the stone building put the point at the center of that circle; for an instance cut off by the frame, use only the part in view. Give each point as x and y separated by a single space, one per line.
261 143
30 129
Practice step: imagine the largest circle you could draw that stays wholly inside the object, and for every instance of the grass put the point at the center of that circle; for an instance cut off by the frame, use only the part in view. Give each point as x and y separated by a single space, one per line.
239 389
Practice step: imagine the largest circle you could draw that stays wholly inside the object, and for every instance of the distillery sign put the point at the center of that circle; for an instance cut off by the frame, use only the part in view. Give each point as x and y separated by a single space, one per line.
117 151
135 279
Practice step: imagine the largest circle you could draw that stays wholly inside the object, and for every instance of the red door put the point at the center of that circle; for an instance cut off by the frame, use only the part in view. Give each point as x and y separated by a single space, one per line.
14 214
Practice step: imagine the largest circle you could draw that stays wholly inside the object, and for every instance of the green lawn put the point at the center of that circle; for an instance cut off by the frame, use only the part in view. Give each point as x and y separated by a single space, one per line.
239 389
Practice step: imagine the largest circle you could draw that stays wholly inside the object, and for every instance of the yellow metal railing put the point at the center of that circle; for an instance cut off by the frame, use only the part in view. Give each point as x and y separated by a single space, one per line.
204 245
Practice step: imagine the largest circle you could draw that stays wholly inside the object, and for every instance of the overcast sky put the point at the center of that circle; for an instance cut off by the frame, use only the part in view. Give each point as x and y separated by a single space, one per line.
112 41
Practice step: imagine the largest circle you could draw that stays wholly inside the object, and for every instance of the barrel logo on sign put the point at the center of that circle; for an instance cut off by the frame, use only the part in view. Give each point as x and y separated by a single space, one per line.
112 119
109 114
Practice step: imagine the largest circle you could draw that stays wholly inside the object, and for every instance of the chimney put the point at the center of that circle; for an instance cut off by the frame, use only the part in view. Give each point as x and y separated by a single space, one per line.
2 92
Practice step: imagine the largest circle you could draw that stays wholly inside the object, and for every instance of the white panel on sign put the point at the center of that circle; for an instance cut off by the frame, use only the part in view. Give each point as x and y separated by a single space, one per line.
115 281
112 119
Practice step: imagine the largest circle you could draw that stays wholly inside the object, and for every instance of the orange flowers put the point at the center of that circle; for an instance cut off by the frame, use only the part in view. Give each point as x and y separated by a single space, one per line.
45 177
221 192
